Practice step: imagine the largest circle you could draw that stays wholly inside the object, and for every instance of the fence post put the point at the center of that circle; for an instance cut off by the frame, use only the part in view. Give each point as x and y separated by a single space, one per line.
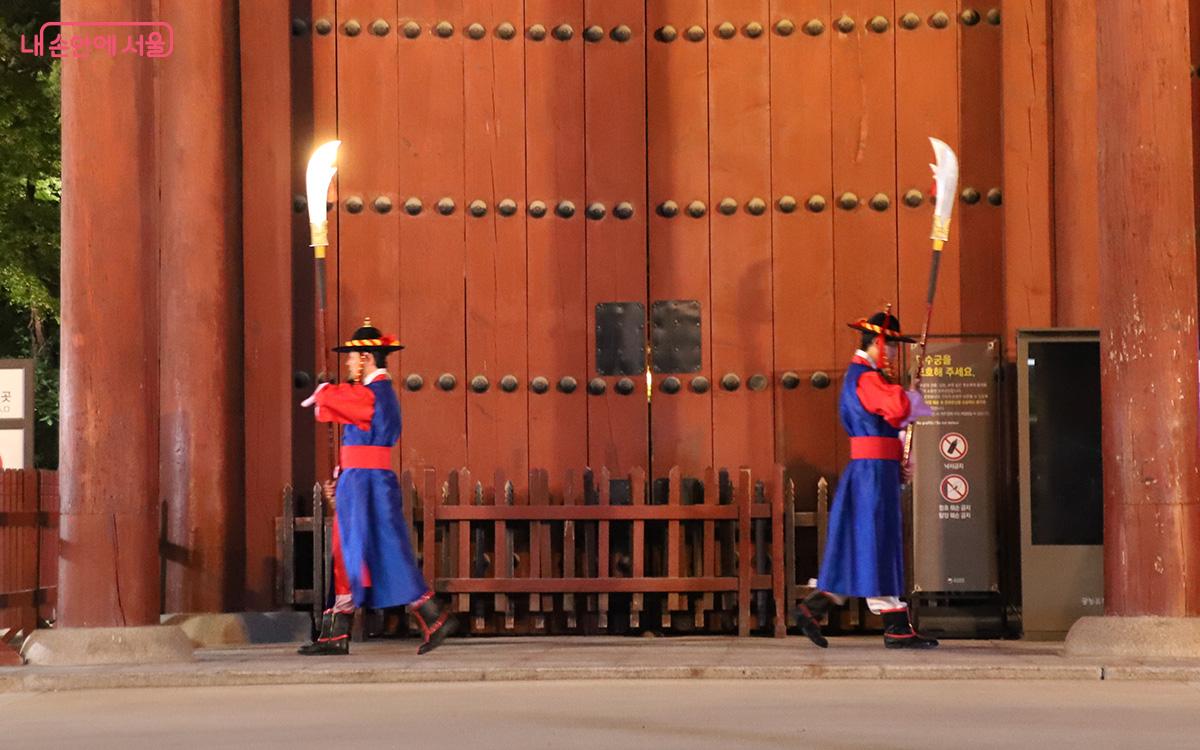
745 564
778 528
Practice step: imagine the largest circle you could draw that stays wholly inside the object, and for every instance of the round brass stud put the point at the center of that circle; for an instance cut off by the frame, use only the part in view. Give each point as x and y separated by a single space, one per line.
565 209
537 32
446 381
444 29
352 28
508 383
383 204
323 26
727 206
380 27
970 196
695 34
624 210
910 21
354 204
596 211
845 24
563 32
700 384
816 203
731 382
754 29
757 382
667 33
412 29
756 206
785 27
726 30
478 208
414 382
506 31
507 207
848 201
815 27
539 385
787 204
914 198
878 24
476 31
622 33
970 17
413 206
625 386
299 204
445 206
596 386
790 380
696 209
939 20
668 209
568 384
479 384
995 197
593 33
299 27
537 209
993 16
819 380
671 385
880 202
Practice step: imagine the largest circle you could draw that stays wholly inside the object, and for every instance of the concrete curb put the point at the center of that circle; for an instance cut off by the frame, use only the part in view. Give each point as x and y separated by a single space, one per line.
44 680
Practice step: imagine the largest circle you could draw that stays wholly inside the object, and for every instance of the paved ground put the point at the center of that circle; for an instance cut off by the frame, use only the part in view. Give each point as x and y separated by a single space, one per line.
565 658
616 714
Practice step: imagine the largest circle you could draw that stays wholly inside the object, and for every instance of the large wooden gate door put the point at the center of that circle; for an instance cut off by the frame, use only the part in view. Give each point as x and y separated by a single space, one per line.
623 233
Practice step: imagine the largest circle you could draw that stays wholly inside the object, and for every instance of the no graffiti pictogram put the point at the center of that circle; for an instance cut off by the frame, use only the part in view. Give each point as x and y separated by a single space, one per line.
955 488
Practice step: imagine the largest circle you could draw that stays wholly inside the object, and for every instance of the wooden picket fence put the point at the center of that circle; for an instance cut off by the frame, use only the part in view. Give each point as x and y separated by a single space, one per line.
28 550
599 553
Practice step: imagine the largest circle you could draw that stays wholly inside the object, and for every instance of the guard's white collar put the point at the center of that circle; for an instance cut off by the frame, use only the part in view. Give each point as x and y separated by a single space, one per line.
376 375
862 353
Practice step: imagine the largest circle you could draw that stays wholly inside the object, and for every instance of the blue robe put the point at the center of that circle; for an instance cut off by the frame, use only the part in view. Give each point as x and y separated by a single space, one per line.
370 516
864 548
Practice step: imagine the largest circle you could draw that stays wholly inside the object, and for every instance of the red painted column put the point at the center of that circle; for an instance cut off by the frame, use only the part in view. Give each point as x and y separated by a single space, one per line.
200 321
1148 310
108 569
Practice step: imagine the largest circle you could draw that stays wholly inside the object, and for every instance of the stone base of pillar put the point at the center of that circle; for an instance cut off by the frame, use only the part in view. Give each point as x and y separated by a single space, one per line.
242 628
1135 637
87 646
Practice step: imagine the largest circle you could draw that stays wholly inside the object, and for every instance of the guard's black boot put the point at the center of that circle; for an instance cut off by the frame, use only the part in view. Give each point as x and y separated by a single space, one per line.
312 649
812 610
435 624
338 642
898 632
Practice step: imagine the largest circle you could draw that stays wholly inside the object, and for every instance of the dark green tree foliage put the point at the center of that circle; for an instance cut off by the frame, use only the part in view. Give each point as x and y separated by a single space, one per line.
30 190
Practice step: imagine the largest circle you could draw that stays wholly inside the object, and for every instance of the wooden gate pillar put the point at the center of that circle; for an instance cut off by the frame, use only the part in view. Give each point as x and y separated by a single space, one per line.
1148 310
108 565
200 357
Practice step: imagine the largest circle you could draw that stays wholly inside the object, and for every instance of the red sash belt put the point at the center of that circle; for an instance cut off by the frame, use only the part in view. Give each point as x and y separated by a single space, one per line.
366 457
881 448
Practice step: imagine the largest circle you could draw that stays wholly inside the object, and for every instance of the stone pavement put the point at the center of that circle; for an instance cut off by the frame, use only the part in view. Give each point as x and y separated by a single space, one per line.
605 658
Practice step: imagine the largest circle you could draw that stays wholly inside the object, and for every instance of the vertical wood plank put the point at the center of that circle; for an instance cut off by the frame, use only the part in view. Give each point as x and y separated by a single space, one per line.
615 167
740 164
677 163
494 144
558 312
433 265
802 168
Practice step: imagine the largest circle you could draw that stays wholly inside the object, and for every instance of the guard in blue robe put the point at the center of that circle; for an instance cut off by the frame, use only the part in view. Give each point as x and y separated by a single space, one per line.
864 549
373 560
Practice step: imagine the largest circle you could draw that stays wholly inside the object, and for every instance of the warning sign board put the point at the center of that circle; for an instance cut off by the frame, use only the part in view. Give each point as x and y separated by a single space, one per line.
955 488
953 446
